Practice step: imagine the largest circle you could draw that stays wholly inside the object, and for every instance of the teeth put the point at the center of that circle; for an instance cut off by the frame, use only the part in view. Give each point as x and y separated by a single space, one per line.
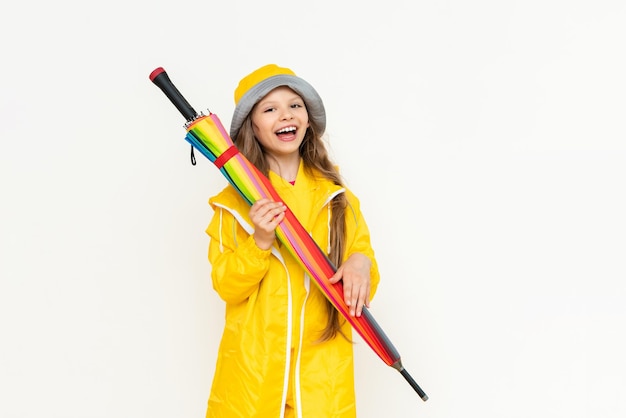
288 129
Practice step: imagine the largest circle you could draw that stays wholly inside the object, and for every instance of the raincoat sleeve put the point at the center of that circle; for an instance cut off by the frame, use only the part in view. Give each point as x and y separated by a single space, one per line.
237 264
358 238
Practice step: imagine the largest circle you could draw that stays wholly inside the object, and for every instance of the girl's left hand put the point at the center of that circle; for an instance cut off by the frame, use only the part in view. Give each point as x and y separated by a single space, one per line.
355 274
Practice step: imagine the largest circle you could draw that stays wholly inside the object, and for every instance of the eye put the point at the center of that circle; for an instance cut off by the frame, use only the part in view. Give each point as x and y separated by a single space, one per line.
296 105
269 109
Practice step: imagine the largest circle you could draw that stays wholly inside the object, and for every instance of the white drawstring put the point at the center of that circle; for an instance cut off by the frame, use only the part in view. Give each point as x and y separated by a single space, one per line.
220 229
328 225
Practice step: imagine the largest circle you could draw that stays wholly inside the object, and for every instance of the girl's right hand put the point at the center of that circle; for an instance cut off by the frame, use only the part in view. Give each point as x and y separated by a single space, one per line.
265 215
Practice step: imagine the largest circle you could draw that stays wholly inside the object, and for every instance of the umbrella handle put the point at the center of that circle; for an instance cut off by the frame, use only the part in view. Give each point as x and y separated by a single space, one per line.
162 80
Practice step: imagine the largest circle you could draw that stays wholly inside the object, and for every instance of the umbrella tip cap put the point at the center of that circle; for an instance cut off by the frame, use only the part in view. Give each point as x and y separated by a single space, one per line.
156 72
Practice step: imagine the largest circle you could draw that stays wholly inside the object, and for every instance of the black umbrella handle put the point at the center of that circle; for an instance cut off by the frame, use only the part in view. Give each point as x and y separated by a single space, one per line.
162 80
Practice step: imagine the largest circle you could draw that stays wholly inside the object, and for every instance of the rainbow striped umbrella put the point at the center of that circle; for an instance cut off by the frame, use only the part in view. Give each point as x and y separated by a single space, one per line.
208 136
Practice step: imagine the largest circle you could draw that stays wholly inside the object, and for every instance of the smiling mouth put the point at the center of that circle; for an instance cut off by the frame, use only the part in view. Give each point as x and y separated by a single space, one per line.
289 130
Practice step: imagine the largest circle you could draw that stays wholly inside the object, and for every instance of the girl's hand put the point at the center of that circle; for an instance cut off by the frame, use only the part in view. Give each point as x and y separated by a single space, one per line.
265 215
355 274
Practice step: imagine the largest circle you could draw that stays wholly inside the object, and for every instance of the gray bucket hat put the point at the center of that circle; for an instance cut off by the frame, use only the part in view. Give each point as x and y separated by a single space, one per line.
258 84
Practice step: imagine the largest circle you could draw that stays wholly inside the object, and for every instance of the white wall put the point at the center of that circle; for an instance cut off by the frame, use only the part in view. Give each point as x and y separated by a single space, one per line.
485 139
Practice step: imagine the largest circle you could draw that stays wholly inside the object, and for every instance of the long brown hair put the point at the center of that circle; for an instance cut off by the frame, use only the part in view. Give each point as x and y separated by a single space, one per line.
314 157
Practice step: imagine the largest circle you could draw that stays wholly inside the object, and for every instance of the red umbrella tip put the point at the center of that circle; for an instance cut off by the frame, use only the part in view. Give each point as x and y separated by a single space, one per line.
156 72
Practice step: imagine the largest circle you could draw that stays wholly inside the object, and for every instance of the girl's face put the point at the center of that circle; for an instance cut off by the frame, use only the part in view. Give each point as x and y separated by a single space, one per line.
279 122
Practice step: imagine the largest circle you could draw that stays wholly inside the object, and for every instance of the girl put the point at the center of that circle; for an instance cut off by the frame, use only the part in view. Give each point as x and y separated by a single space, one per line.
285 350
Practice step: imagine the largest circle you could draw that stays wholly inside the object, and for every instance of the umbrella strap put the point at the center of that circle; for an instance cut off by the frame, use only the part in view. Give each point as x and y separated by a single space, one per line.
226 155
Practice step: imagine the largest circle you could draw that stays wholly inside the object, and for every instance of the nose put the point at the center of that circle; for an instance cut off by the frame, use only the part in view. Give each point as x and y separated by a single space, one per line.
286 114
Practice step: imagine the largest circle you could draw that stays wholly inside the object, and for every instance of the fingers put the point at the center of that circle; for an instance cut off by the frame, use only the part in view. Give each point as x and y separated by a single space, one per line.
356 289
336 277
356 296
263 206
267 214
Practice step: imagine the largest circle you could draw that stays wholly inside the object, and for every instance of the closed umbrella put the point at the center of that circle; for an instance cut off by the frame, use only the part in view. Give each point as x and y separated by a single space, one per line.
207 135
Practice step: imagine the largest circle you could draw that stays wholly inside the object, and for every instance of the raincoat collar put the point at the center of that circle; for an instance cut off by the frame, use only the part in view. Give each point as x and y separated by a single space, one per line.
311 182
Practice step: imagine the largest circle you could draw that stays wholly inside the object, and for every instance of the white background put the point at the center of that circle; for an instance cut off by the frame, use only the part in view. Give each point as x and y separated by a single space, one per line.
485 139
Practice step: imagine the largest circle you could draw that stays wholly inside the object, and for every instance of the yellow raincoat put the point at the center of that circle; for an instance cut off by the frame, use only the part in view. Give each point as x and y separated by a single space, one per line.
270 352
